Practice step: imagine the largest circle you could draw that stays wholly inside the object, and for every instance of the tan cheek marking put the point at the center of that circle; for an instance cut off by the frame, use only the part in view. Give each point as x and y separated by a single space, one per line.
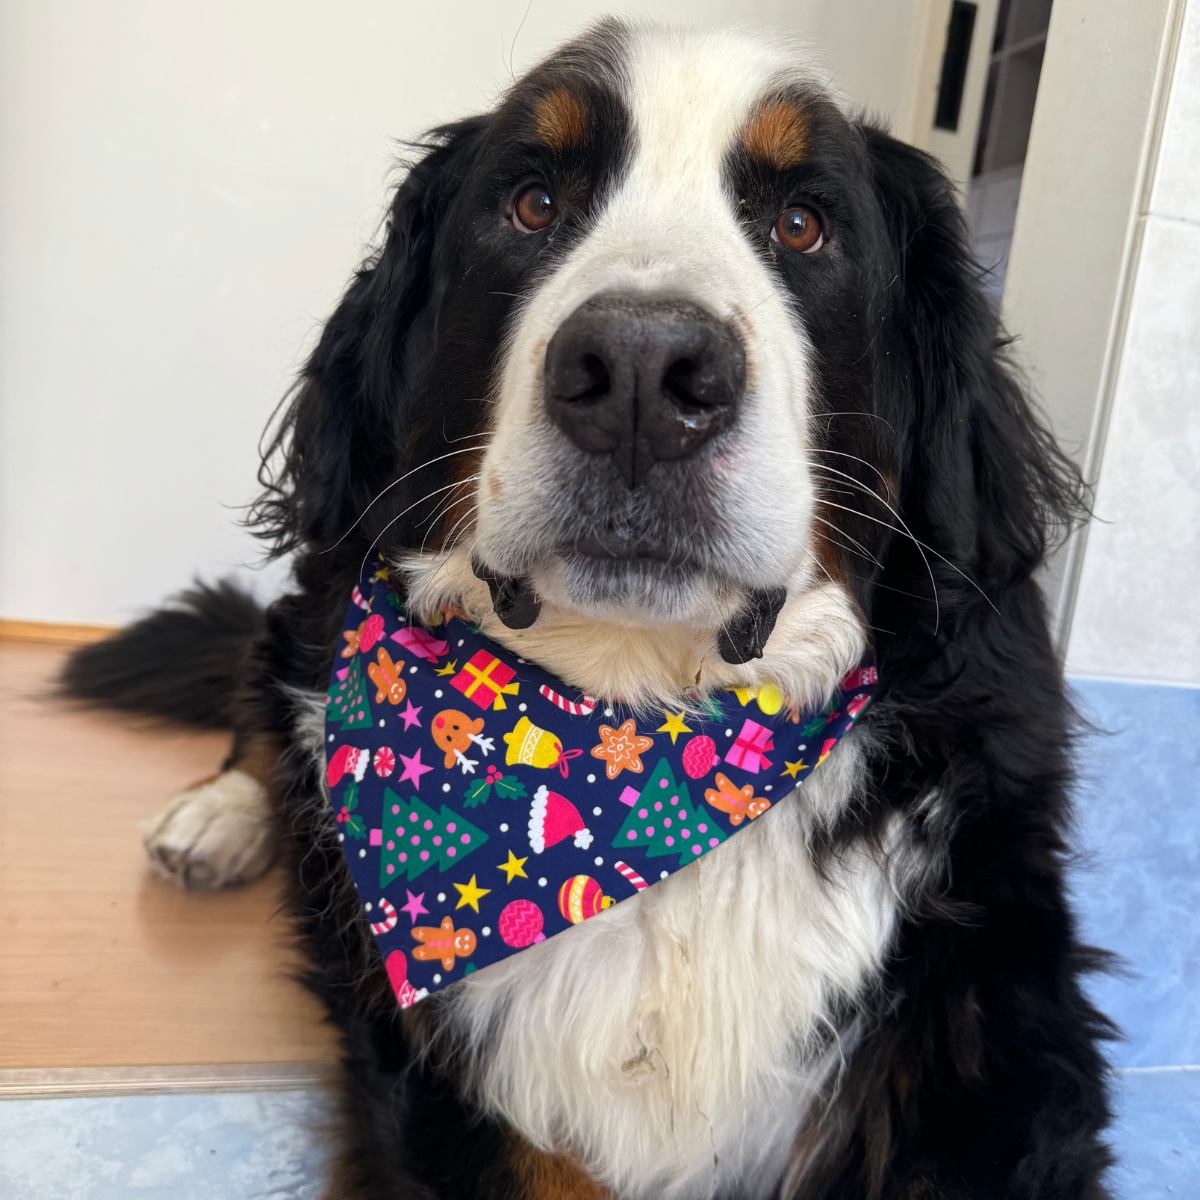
561 121
777 136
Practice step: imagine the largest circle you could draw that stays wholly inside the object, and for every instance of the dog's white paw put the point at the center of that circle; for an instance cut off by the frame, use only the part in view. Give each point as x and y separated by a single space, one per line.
213 835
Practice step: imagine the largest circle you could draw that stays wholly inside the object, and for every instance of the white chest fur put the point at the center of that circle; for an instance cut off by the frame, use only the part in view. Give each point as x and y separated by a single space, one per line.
673 1042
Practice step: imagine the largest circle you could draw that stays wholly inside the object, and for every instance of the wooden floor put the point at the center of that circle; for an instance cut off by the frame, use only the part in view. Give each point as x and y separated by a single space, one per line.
102 964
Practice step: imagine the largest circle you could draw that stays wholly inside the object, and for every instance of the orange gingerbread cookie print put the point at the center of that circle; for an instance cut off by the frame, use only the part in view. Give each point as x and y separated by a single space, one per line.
385 675
443 942
739 803
621 748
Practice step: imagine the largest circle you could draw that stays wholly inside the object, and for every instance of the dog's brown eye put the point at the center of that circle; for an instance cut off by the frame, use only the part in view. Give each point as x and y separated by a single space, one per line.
534 209
799 229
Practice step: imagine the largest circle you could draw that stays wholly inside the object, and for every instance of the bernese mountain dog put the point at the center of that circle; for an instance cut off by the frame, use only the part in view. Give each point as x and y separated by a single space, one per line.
665 340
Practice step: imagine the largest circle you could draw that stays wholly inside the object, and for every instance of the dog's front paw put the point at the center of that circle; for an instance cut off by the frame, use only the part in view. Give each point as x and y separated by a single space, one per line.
213 835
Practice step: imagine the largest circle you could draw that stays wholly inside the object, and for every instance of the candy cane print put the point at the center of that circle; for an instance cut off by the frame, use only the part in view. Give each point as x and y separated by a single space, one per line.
358 599
630 874
584 708
389 918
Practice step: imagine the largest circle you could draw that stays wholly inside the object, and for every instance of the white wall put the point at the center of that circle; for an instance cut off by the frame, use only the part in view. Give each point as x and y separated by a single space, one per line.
1138 610
184 189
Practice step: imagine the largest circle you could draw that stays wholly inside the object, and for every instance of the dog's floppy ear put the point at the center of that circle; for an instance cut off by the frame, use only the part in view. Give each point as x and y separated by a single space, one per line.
349 420
982 481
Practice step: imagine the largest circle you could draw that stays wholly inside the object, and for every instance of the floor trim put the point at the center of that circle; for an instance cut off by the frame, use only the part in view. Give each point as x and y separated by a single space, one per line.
53 631
44 1083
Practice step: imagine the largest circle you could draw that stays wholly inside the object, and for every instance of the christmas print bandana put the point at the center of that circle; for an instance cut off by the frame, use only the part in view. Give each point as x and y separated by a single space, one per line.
483 805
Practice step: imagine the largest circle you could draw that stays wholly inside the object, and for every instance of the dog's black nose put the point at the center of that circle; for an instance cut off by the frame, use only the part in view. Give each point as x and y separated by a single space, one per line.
643 380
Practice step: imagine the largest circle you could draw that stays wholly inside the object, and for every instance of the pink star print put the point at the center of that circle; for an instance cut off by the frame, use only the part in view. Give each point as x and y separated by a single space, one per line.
414 907
409 717
413 769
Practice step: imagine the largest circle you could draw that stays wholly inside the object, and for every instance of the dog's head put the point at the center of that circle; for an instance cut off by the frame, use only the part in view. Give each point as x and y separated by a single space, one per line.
667 336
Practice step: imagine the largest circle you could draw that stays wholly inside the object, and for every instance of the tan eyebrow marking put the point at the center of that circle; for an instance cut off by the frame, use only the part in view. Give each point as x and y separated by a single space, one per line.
777 135
561 120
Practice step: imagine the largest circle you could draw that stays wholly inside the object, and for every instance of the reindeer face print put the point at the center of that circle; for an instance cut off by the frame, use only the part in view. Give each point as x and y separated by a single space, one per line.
455 733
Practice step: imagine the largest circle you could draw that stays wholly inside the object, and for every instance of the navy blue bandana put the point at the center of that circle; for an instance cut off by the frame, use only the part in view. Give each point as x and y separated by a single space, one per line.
483 806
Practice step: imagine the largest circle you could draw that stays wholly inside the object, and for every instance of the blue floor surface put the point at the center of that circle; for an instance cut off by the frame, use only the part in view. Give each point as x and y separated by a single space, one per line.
265 1146
1137 892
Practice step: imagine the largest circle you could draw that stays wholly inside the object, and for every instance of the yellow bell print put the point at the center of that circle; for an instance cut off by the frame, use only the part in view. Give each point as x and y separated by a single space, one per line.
531 746
769 697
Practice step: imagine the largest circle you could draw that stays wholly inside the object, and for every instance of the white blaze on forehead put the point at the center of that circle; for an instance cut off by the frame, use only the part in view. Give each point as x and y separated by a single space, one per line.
671 223
690 97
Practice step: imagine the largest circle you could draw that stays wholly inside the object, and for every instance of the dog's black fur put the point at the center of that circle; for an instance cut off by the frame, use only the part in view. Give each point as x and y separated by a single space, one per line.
977 1073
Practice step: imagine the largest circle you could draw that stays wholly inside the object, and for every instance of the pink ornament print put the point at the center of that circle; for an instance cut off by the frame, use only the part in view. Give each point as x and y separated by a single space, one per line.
520 924
700 756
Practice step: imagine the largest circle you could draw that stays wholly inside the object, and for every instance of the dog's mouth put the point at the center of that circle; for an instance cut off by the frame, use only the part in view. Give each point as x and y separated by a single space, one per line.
622 544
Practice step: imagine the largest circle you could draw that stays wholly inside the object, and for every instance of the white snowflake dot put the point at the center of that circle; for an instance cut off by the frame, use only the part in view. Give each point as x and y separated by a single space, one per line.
341 837
597 811
520 660
767 788
331 737
380 722
599 862
445 787
522 707
361 853
437 979
591 778
663 874
412 670
487 931
441 897
803 747
608 712
503 828
542 881
367 906
460 641
438 693
729 733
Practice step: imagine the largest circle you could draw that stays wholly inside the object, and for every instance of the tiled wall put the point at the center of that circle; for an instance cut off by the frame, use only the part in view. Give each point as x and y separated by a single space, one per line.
1138 612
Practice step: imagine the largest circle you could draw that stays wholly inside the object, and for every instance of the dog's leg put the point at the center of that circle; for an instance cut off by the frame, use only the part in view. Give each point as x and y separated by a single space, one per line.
219 832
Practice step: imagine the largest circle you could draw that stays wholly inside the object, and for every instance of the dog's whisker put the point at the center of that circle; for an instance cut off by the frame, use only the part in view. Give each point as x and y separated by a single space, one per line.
842 454
427 496
419 467
922 546
446 507
937 607
856 414
861 548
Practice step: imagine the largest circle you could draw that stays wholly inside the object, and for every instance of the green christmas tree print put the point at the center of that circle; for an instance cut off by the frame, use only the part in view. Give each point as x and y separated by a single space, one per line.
414 838
348 699
662 819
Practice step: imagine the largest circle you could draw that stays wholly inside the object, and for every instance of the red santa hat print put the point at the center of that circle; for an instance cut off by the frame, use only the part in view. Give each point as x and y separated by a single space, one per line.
552 818
347 760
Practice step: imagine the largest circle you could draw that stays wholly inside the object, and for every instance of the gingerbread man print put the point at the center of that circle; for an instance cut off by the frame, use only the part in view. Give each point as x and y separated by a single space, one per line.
443 942
385 675
739 803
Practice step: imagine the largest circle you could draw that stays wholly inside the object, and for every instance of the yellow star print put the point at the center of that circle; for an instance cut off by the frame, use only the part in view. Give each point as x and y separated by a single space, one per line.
674 726
471 894
792 768
382 573
514 866
744 694
451 668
